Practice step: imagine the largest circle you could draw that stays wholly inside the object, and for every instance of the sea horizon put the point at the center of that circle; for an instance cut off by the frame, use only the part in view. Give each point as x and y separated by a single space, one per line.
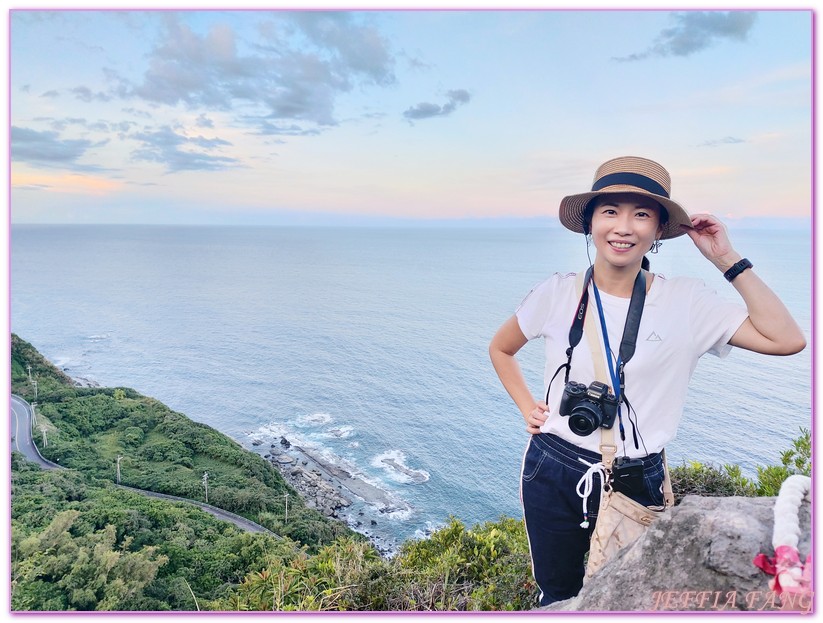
366 221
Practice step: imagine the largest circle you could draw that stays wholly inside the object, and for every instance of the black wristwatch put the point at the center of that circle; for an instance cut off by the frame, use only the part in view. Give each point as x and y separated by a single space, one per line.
738 268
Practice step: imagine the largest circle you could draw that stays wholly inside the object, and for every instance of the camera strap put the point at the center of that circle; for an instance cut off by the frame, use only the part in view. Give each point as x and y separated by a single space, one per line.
627 344
576 331
629 341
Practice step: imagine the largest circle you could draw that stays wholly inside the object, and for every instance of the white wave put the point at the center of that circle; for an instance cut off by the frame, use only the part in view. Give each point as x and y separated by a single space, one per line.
62 361
354 444
398 514
340 432
394 464
98 338
273 431
313 419
431 528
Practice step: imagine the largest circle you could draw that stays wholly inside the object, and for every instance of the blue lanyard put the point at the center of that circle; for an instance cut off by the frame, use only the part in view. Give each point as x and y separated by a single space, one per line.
612 368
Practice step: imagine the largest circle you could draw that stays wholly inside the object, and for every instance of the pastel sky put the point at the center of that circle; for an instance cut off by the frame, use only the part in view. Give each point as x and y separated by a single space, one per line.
270 117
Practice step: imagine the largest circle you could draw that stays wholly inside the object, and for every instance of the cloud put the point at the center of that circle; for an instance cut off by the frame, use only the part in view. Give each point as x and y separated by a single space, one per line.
51 93
98 126
47 149
354 48
427 110
32 187
268 128
204 122
295 71
727 140
174 151
137 113
695 31
85 94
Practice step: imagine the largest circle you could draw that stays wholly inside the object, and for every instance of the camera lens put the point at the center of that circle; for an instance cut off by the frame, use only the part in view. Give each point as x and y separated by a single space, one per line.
585 418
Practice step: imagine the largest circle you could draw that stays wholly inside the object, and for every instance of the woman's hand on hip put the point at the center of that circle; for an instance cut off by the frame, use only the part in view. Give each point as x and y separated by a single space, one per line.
536 417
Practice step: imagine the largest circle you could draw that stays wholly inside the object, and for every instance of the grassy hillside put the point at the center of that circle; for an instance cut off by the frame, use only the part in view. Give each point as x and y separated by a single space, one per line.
161 450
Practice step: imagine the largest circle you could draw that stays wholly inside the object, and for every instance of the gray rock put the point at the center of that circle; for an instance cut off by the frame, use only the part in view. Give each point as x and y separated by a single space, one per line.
697 556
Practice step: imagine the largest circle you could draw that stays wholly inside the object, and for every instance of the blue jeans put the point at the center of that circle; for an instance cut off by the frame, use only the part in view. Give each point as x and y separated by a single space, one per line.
553 511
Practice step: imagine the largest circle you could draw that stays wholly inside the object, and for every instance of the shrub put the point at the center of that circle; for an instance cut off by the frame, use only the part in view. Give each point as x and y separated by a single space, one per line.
699 479
133 436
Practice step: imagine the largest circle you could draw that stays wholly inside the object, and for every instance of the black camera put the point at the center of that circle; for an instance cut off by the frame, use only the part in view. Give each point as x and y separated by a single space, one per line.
588 408
627 475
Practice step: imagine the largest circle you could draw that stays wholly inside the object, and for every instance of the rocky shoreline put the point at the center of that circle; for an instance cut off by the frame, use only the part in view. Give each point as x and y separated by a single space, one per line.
314 484
330 488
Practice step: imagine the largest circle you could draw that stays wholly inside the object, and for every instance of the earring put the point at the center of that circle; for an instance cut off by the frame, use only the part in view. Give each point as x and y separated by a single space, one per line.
656 246
588 239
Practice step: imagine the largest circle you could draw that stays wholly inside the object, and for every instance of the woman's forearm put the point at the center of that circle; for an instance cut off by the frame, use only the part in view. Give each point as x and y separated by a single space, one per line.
767 313
508 369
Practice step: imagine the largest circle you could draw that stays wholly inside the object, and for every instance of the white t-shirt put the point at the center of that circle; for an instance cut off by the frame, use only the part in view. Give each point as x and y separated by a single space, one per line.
682 320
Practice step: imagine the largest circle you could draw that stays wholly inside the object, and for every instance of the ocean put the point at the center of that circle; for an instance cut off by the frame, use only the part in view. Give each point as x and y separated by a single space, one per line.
370 345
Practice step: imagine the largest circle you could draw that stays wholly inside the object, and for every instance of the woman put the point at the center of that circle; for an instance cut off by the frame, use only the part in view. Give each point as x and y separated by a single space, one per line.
627 213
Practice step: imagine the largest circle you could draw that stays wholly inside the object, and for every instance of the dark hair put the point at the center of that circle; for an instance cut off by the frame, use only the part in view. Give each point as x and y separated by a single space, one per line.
588 213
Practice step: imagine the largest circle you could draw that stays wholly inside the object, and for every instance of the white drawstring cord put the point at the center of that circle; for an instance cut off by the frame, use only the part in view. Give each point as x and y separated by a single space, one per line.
587 481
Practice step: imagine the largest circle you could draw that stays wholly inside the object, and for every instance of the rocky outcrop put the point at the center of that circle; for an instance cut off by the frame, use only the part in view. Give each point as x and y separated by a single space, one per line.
317 489
697 556
317 492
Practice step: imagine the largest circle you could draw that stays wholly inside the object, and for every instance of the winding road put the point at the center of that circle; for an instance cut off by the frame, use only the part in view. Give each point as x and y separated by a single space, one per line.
21 413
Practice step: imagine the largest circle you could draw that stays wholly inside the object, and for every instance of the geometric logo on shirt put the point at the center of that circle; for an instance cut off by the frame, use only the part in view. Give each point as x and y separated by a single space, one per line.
654 338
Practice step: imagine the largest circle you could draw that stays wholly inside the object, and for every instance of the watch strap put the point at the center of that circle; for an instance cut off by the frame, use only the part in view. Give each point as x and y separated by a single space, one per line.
738 268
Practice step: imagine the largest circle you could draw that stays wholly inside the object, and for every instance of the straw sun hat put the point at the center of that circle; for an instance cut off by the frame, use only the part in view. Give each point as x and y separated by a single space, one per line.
627 174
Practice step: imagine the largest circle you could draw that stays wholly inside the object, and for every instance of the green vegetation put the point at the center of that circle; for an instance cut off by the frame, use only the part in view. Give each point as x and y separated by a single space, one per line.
700 479
484 568
82 544
79 542
161 450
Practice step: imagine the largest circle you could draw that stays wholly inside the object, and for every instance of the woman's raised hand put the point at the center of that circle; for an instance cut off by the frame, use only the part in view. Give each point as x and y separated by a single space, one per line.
711 238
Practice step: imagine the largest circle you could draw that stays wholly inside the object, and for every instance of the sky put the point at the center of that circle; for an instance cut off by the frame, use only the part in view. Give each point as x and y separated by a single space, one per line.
290 117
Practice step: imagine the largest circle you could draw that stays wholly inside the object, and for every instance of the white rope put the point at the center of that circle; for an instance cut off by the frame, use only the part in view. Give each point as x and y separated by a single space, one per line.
790 573
587 482
787 508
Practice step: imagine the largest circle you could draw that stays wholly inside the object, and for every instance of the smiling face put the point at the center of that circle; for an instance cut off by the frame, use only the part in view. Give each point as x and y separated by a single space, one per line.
623 228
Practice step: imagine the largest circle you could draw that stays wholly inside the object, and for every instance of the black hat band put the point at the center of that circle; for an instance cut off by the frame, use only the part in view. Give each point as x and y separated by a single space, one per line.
631 179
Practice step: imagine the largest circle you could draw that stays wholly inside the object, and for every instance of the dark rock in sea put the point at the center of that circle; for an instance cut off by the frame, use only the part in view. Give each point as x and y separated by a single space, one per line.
285 442
304 462
373 522
83 382
256 442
